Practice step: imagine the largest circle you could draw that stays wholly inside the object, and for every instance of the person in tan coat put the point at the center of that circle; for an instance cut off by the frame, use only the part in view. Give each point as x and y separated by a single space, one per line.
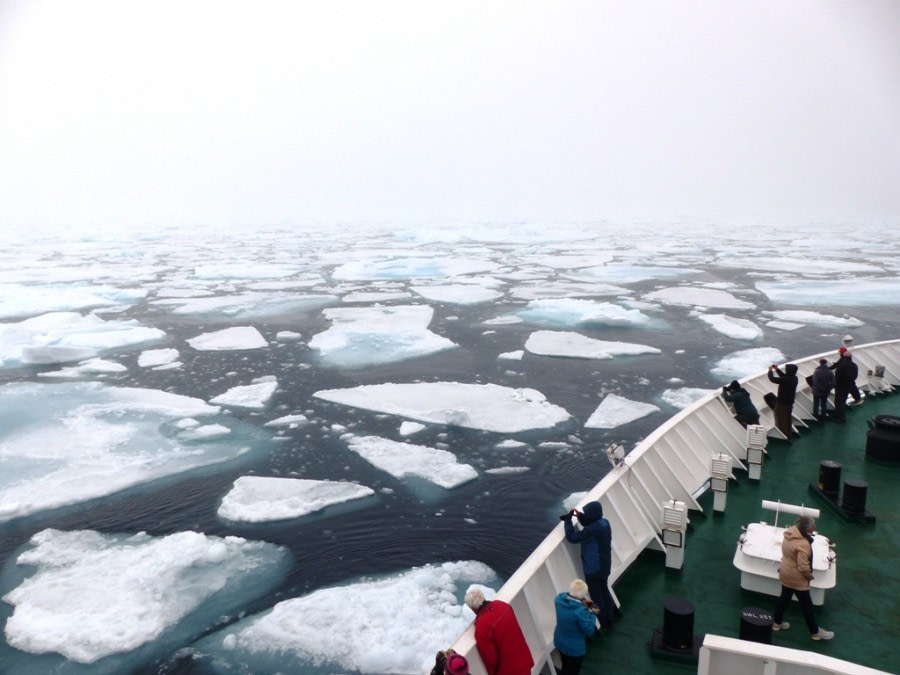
795 573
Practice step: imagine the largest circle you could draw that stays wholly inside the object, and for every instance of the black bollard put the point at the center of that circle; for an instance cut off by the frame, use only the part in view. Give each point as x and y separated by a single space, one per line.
756 625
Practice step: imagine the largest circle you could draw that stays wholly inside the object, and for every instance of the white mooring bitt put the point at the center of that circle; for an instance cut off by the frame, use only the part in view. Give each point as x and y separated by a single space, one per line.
674 531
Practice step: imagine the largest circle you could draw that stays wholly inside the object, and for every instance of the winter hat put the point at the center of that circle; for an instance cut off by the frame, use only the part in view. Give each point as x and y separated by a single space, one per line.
791 369
456 664
843 350
823 362
592 511
735 385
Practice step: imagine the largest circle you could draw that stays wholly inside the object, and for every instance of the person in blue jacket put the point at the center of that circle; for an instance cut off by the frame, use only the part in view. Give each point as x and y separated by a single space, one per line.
576 618
595 537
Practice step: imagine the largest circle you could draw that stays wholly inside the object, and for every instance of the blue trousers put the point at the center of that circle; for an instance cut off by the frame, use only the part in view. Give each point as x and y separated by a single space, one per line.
598 587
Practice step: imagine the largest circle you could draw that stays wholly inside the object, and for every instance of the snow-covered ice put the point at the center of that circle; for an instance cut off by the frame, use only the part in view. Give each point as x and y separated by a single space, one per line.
68 443
698 297
733 327
570 313
489 407
747 362
365 336
390 625
254 396
575 345
405 459
615 410
259 499
236 337
96 595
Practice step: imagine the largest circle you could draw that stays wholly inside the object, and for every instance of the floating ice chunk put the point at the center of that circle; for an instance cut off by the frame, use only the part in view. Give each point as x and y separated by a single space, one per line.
62 337
252 305
253 396
798 265
90 367
459 294
569 262
157 357
517 355
288 421
505 470
574 345
410 428
288 336
629 274
733 327
856 292
784 325
489 407
616 410
503 321
410 268
565 289
405 459
700 297
205 432
237 337
19 300
375 296
747 362
510 444
682 398
568 312
258 499
64 444
390 625
95 595
365 336
807 317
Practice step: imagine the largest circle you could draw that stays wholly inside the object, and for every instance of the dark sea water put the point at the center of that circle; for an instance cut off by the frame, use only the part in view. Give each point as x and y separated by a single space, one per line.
498 518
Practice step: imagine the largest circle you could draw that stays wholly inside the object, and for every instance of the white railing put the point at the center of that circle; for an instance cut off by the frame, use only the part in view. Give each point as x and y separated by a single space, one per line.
672 463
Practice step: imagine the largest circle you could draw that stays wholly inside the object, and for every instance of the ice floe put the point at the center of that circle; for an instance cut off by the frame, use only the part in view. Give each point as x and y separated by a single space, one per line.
747 362
572 312
575 345
859 291
68 443
23 300
260 499
234 338
803 316
93 595
683 397
405 459
366 336
459 294
157 357
253 396
410 268
61 337
488 407
698 297
615 410
733 327
390 625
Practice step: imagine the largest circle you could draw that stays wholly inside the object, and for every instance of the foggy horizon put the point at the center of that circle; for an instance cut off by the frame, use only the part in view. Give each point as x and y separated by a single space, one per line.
132 115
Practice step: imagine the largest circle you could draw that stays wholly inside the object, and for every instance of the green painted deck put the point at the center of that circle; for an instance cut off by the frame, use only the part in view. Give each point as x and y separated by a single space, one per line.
863 609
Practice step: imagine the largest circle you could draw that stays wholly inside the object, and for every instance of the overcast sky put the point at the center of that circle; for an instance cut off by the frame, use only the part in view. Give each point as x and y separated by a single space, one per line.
187 112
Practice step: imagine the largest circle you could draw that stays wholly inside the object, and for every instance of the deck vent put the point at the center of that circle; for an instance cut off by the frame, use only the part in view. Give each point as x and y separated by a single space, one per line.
719 475
756 450
674 526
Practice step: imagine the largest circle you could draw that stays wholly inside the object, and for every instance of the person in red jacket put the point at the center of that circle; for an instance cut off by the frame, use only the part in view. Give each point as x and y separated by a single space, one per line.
498 636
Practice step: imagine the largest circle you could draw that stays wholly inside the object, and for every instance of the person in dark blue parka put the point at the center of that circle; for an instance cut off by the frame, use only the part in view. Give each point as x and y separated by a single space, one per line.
595 537
744 410
576 619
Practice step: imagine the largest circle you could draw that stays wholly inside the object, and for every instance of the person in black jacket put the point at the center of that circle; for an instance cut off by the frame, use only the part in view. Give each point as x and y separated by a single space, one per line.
787 390
845 373
744 410
822 384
